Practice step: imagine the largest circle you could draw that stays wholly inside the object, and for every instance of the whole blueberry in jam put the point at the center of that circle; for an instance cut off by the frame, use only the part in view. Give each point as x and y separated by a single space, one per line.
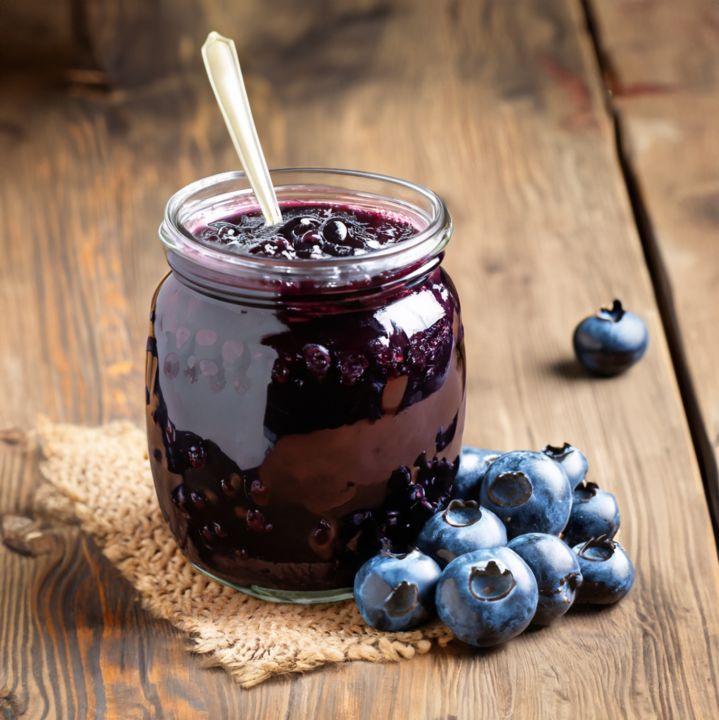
334 231
529 492
573 461
556 570
594 513
607 571
460 528
610 341
473 463
487 597
318 359
395 592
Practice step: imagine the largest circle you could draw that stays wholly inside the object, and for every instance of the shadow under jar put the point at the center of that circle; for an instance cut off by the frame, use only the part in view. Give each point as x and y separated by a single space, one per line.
301 412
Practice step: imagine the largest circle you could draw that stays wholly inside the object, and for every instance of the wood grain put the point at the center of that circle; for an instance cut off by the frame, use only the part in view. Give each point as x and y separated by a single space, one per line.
498 106
670 142
659 46
36 34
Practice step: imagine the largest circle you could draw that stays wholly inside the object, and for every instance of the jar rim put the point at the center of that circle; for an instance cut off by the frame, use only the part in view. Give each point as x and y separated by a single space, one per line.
184 250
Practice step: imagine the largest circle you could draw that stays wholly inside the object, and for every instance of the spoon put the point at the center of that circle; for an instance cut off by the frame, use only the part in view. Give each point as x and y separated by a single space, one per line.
223 69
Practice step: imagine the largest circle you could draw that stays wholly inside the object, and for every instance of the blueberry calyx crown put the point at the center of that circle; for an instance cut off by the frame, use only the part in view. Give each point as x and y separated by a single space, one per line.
454 516
510 489
573 579
490 581
387 551
586 491
598 549
615 314
403 599
557 452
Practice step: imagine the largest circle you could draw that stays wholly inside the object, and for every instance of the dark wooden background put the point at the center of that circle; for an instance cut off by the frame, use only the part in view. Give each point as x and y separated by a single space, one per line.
576 144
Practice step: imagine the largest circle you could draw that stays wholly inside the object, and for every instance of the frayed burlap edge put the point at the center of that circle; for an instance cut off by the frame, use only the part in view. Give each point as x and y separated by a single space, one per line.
101 476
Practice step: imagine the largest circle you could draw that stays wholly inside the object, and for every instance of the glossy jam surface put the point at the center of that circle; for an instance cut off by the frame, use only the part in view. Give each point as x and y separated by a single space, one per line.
308 231
287 442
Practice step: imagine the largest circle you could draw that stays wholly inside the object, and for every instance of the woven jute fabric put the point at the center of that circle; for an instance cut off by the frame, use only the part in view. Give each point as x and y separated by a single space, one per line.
101 476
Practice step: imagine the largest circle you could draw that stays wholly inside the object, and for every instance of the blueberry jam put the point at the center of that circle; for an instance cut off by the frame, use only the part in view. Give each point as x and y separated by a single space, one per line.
308 231
290 437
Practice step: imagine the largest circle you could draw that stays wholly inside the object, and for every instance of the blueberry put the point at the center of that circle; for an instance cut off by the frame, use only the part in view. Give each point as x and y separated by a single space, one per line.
256 521
180 497
610 341
334 231
224 232
195 455
273 247
352 366
197 499
317 358
211 533
307 243
528 491
487 597
573 461
473 462
461 528
295 228
595 512
336 249
556 570
321 538
396 592
607 571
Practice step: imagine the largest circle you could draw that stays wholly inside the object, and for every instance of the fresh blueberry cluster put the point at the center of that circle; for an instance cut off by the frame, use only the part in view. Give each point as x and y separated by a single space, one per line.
524 538
313 232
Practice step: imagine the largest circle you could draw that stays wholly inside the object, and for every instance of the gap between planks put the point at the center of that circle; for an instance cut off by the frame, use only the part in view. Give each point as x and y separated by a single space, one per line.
660 281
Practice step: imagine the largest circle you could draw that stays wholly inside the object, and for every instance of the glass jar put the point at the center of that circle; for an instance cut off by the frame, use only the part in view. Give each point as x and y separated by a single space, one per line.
302 412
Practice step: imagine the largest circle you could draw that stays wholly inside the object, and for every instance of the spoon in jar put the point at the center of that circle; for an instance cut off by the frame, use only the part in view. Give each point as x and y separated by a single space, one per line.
223 69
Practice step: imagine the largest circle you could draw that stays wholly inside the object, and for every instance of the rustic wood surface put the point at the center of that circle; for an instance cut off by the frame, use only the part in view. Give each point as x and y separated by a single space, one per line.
499 107
656 47
664 86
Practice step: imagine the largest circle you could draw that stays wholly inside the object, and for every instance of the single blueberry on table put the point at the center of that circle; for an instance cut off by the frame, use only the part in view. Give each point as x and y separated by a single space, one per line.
610 341
607 571
486 597
528 492
460 528
573 461
594 513
473 463
556 570
395 592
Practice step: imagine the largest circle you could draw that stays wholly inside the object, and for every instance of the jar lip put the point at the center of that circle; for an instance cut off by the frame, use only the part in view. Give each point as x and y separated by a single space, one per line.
427 243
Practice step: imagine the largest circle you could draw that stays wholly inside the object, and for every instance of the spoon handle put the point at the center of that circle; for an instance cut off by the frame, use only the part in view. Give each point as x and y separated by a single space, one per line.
223 69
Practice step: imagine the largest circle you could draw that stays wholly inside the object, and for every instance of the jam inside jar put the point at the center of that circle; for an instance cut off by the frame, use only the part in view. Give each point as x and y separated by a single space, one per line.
302 412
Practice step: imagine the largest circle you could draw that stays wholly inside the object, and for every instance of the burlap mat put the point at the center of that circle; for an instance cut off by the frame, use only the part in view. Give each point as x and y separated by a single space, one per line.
104 474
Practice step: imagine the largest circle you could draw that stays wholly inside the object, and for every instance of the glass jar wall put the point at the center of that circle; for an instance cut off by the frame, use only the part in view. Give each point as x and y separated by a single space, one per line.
300 413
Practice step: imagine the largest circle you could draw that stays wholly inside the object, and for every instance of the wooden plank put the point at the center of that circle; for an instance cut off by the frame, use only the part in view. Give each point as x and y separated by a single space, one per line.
499 108
658 46
664 58
673 148
37 33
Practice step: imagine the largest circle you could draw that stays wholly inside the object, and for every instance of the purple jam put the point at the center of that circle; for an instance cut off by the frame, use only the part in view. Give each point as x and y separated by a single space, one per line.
289 441
308 231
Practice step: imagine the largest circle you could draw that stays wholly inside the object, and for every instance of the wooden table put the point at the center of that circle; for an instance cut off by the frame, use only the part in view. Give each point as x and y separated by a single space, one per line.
576 145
